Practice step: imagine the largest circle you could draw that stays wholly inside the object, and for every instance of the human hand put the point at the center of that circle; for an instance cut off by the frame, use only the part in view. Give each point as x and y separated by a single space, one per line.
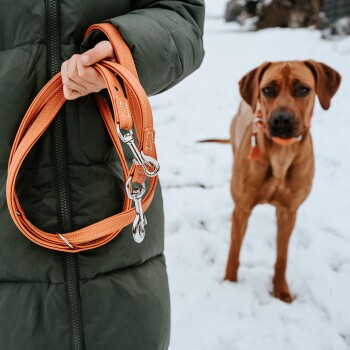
78 77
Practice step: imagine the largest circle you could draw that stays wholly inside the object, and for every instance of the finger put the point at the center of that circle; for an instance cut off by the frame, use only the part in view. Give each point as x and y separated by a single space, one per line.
73 85
90 77
72 79
66 81
64 72
70 94
87 77
102 50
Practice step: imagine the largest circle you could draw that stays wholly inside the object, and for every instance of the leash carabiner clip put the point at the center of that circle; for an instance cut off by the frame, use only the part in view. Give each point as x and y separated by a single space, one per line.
140 157
140 221
138 226
153 163
135 193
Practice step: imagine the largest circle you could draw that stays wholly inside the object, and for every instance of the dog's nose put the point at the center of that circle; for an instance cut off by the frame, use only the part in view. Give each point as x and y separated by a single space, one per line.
281 124
281 119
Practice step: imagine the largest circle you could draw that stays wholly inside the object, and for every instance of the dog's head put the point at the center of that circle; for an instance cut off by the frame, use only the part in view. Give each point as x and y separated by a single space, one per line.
285 92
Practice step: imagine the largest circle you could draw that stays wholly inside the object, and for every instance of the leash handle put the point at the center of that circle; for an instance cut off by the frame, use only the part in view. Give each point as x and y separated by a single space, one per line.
127 111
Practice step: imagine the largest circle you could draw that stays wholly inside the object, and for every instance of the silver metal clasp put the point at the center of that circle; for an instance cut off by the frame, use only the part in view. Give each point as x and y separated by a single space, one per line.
127 137
140 157
151 162
140 221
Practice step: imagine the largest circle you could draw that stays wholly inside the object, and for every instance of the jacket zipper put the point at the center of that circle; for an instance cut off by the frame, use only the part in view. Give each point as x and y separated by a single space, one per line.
71 268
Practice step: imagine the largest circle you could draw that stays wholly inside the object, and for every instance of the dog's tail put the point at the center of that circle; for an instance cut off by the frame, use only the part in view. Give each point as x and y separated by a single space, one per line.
215 141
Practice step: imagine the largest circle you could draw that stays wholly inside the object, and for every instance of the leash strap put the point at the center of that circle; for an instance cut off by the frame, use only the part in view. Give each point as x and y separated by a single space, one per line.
128 110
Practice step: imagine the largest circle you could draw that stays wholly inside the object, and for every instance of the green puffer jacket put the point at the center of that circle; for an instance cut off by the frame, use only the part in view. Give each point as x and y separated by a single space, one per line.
115 296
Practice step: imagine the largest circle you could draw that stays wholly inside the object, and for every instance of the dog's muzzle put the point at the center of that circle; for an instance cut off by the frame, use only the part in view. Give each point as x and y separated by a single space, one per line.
282 124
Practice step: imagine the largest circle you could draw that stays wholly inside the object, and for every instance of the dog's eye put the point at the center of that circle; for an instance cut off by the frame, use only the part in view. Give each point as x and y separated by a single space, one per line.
302 90
268 91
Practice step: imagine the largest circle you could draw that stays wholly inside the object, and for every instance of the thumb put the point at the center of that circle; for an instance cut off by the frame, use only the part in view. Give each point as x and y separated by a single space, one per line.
102 50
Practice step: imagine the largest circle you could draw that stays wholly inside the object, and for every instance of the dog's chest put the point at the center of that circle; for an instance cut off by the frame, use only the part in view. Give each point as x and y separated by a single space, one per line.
276 191
284 184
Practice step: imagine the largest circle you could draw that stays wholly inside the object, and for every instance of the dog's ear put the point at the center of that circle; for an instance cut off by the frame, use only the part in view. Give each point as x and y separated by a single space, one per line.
249 84
327 81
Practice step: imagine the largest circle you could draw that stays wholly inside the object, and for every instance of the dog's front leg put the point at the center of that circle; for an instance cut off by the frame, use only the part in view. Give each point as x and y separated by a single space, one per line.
239 226
285 224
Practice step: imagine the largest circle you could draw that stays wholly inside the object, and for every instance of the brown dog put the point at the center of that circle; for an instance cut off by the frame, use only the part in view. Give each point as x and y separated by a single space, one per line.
279 97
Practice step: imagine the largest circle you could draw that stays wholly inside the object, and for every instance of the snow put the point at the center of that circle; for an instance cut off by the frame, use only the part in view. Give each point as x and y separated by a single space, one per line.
215 8
208 313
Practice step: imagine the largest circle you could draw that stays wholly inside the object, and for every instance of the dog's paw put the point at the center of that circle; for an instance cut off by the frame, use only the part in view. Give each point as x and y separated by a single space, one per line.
283 294
230 276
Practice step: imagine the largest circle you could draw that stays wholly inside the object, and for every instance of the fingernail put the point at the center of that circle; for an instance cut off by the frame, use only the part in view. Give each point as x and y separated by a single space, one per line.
85 58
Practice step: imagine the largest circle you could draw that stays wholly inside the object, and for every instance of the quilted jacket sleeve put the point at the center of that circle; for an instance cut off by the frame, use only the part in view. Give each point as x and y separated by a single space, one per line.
165 38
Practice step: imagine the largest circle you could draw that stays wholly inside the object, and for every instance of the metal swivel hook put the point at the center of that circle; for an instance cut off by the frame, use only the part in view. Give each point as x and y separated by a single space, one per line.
140 221
151 162
138 228
140 157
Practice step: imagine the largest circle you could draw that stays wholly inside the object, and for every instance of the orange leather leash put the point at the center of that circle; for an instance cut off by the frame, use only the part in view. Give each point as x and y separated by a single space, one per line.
132 109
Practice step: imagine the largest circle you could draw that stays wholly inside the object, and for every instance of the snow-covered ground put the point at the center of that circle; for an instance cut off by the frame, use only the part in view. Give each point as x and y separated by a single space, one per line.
207 313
